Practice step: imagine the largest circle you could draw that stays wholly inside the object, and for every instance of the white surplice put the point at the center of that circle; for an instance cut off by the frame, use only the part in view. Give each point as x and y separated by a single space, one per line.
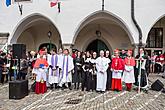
40 73
53 72
66 75
128 74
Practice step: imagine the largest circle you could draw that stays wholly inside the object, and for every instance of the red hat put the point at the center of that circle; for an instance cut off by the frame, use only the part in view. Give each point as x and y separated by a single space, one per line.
129 51
41 52
116 51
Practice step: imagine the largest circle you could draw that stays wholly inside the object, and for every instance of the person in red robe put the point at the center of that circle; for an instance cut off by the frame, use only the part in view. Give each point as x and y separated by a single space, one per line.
128 74
40 70
117 68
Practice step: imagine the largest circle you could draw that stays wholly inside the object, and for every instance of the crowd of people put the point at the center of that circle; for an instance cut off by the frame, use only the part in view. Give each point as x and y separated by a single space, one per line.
88 71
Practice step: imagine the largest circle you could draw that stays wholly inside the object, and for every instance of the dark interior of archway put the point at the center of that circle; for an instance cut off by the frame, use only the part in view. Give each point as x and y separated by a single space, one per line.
49 46
96 46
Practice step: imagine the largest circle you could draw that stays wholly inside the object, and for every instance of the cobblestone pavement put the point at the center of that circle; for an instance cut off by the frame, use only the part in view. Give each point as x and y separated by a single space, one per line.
58 100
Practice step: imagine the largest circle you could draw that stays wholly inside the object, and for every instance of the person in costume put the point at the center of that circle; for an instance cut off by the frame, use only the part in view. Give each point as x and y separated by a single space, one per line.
117 68
66 66
143 78
102 65
128 74
54 74
40 70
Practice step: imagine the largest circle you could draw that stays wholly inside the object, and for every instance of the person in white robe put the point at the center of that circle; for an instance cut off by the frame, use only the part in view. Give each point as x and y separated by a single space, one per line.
66 68
102 65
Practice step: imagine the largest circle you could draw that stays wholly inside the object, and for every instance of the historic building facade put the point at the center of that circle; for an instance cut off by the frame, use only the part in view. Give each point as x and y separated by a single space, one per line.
85 24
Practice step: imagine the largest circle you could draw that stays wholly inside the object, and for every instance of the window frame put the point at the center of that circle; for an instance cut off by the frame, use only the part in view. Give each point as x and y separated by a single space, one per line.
149 42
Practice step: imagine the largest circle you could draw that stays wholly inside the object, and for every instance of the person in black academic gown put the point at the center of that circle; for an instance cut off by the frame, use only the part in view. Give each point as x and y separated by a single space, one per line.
86 74
78 62
94 71
109 72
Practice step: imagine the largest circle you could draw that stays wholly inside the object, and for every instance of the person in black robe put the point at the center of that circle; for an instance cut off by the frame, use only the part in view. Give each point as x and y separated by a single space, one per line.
86 74
78 61
109 72
144 66
94 71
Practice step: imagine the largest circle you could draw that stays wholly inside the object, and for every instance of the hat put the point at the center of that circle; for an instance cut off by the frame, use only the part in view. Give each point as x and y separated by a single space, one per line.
41 52
129 51
116 51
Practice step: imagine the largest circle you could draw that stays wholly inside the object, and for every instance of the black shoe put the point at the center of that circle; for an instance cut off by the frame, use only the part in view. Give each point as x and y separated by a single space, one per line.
56 86
62 88
88 90
102 92
98 91
51 86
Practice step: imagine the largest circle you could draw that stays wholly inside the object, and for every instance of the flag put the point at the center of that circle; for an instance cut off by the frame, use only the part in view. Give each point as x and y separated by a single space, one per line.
8 3
53 3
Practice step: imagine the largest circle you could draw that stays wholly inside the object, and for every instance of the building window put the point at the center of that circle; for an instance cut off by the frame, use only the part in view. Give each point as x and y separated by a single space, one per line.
22 0
155 38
